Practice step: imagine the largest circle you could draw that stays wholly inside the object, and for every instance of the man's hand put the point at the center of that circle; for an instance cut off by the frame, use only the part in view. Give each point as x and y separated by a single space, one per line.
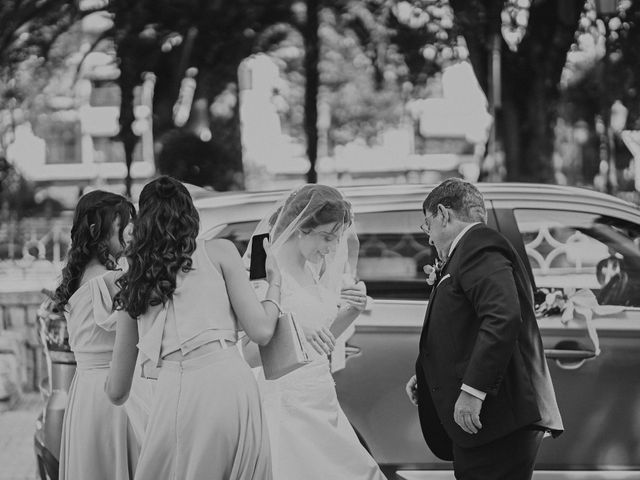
412 390
466 412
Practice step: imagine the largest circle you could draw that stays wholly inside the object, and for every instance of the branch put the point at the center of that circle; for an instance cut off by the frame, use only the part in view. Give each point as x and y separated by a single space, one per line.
35 10
372 33
92 47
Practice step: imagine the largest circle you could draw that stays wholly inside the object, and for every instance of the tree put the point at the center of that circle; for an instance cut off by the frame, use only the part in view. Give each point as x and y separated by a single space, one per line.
29 58
540 33
30 27
186 157
358 98
209 39
530 77
604 68
17 195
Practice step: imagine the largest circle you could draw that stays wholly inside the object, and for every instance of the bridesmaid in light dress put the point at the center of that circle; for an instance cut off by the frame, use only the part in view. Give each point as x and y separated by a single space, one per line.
98 440
186 299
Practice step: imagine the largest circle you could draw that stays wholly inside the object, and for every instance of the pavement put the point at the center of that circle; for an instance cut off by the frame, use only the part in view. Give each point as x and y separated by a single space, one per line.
17 424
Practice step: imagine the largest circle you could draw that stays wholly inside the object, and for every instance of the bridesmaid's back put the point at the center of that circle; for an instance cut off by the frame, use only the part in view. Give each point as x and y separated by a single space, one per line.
198 313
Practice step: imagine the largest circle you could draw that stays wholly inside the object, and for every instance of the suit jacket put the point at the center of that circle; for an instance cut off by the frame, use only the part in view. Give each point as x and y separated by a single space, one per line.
480 329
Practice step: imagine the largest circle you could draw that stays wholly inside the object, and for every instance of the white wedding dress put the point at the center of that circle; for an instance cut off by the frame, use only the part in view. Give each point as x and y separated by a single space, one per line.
311 438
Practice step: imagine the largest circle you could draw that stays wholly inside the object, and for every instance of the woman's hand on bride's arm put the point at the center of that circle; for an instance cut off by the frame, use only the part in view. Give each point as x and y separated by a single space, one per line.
322 340
354 296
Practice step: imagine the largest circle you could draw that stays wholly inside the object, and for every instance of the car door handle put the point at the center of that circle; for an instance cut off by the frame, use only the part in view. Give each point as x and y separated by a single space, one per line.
569 359
571 355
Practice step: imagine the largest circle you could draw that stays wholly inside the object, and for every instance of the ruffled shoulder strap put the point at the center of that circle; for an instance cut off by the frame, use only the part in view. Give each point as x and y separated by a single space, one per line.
101 300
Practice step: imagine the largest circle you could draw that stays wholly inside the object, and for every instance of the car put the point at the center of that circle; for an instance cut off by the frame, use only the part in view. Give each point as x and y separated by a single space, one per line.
580 247
576 243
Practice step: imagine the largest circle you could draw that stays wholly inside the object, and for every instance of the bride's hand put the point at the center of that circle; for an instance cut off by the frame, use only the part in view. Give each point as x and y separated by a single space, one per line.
271 264
354 296
322 340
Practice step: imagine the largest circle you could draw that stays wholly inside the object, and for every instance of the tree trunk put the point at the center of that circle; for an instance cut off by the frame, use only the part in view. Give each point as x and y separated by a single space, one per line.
226 130
127 81
312 74
227 136
530 79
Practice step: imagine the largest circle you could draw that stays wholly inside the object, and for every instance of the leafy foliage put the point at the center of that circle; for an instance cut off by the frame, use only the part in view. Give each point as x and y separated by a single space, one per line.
17 195
604 63
30 27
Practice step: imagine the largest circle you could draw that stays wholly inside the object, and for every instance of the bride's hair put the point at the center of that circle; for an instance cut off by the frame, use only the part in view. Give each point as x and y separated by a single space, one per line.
164 238
322 204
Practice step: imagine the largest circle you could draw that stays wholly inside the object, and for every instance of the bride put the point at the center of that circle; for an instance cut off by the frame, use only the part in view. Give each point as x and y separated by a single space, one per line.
316 248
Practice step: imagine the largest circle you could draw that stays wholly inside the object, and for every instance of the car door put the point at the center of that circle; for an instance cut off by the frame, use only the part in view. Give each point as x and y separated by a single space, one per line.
574 247
382 352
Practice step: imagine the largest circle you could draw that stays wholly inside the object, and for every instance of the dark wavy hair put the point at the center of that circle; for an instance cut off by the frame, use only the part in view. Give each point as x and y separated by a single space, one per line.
164 238
92 226
326 204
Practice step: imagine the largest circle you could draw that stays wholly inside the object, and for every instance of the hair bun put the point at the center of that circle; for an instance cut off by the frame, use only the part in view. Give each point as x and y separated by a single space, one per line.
165 188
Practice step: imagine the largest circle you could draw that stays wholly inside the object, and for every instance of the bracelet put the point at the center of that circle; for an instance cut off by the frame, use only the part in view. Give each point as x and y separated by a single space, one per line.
277 305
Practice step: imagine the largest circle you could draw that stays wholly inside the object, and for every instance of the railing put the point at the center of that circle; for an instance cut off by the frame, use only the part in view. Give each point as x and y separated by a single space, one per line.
19 321
31 256
32 251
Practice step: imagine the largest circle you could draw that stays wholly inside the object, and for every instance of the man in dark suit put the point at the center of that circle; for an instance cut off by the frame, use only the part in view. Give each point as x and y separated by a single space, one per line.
482 385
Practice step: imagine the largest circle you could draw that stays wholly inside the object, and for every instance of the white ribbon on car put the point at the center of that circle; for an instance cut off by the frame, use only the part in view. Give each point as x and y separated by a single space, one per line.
584 303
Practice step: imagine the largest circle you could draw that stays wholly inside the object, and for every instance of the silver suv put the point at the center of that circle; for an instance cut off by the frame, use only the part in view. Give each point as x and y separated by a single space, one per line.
571 239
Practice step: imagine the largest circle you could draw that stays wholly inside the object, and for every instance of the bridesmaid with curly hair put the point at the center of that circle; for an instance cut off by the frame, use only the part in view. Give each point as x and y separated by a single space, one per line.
97 438
190 297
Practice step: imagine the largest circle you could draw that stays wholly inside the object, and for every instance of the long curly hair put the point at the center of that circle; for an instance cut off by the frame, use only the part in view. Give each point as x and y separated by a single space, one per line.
164 238
92 227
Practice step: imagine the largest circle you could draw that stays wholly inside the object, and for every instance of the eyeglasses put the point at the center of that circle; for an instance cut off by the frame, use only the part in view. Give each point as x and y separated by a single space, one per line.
425 227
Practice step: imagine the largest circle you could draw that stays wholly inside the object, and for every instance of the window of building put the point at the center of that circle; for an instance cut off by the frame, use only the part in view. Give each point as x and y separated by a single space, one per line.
62 141
104 94
108 150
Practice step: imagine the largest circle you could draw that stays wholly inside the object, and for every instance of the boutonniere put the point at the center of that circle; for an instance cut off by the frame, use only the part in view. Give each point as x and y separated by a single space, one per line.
433 271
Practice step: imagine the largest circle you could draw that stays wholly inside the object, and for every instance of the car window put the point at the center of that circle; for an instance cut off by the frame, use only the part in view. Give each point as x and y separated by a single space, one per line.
393 251
569 249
